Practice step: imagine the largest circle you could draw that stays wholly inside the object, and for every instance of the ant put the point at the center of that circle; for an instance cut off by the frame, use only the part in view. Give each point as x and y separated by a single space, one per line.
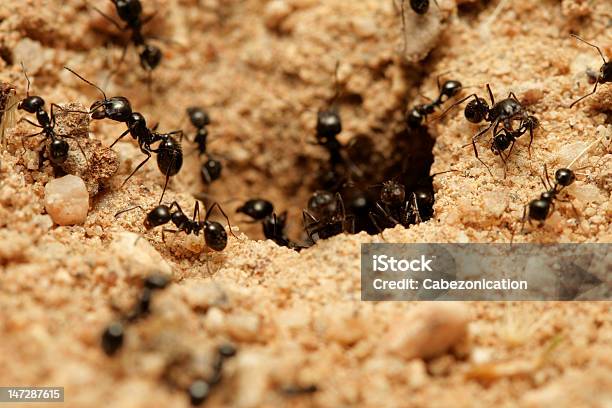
118 108
215 236
540 209
273 225
326 216
417 115
211 168
58 148
130 11
393 208
500 113
113 334
605 72
420 6
200 389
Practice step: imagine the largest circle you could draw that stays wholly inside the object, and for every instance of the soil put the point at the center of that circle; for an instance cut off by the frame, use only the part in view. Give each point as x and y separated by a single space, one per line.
263 69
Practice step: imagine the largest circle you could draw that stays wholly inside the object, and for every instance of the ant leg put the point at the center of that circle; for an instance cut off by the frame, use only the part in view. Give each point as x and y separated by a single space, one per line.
513 96
119 138
177 132
416 210
172 231
109 18
476 153
491 95
373 219
30 122
209 211
530 141
137 167
196 211
27 79
455 104
308 224
550 184
585 96
127 210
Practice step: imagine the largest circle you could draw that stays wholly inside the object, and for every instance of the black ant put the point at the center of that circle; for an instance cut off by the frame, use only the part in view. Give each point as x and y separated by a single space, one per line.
417 115
117 108
211 168
540 209
273 225
393 208
130 12
113 334
326 216
200 389
58 148
605 72
420 6
215 236
501 113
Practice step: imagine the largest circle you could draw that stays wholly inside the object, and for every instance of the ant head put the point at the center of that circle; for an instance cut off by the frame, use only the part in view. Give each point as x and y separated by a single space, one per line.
329 124
414 118
215 236
158 216
564 177
31 104
198 116
392 193
275 222
605 73
322 204
500 143
128 10
211 170
257 208
425 199
117 108
150 57
450 88
538 209
58 151
135 119
419 6
476 110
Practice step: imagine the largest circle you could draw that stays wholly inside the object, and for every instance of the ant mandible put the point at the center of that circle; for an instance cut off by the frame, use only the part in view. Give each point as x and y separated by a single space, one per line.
58 149
605 72
417 115
211 168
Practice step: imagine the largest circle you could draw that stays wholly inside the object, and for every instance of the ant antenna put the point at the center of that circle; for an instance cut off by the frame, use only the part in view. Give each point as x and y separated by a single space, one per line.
128 210
336 83
88 82
27 79
592 45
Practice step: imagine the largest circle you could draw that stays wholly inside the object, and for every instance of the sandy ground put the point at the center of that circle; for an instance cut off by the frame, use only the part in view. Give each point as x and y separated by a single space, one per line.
263 69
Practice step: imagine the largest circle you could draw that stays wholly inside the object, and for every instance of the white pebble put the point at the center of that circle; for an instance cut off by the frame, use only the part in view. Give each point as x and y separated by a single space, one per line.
428 330
67 200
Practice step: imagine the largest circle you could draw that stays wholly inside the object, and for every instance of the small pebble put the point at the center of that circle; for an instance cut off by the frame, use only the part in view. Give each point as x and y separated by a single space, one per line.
112 338
198 392
429 330
67 200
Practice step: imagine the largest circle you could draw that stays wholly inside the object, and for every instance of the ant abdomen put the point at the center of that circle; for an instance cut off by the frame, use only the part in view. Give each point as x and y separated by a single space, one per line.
476 110
170 156
58 151
215 236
